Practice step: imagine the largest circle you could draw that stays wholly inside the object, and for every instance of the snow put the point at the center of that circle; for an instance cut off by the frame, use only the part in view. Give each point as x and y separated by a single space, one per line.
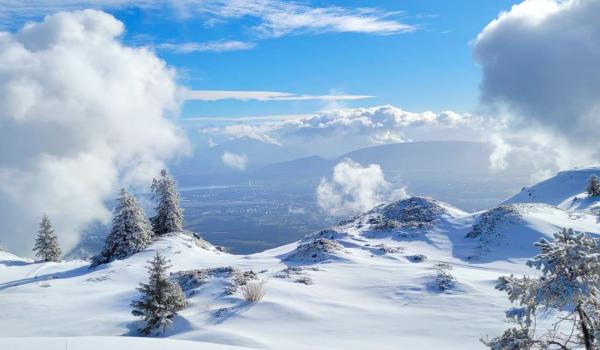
103 343
366 290
557 190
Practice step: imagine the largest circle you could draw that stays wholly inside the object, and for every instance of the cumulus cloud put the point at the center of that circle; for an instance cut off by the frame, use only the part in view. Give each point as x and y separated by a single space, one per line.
353 189
336 130
81 114
235 161
539 63
498 157
387 137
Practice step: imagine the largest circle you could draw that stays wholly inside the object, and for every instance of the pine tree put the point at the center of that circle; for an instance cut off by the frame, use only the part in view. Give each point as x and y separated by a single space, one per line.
593 188
169 216
570 283
46 244
130 233
161 298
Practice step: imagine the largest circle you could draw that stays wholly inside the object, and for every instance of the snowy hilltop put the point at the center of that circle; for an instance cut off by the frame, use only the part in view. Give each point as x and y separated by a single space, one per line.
416 273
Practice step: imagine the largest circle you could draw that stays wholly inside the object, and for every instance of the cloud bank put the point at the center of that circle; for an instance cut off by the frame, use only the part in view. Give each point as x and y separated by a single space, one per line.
339 130
81 114
354 189
540 66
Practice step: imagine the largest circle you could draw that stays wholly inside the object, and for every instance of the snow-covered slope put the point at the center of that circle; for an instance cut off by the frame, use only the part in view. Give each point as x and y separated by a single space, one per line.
558 190
417 273
104 343
509 231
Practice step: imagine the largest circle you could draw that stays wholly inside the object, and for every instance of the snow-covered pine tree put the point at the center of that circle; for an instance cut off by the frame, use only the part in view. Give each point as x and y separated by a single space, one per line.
569 284
46 244
169 216
161 298
130 233
593 187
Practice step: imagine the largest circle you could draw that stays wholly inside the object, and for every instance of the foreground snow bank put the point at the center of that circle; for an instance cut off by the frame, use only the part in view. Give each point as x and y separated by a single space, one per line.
106 343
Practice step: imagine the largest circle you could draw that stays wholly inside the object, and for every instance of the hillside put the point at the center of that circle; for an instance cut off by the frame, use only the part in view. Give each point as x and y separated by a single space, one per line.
559 190
416 273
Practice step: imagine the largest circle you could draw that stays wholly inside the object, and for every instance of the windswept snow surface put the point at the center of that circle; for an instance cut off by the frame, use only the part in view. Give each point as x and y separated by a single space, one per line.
369 282
105 343
557 190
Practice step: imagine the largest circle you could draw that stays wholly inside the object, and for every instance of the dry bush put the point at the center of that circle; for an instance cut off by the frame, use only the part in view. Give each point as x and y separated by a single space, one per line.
253 291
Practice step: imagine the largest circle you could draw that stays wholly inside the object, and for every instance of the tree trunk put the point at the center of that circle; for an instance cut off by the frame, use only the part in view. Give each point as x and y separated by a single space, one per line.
588 338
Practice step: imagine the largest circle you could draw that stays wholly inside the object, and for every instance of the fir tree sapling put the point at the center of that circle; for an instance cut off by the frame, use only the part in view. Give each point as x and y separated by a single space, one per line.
567 289
169 215
593 187
160 300
130 233
46 244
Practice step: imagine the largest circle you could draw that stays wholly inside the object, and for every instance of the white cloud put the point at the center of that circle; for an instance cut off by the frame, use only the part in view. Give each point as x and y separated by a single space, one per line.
498 157
81 114
282 18
216 95
235 161
213 46
354 189
258 132
539 63
275 18
387 137
339 130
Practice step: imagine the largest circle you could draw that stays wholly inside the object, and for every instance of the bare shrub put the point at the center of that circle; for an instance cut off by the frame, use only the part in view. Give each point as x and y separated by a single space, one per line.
253 292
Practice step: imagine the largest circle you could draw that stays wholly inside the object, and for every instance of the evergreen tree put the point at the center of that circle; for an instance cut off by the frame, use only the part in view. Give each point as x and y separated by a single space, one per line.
169 216
46 244
161 298
593 188
130 233
570 282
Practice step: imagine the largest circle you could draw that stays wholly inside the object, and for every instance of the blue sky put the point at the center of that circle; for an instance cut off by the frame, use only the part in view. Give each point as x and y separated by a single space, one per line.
430 68
416 57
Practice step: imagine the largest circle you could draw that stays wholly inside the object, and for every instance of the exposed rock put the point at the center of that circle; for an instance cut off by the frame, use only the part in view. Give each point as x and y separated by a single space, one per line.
413 213
444 280
296 274
327 234
414 210
386 249
493 220
318 250
294 271
417 258
304 280
192 279
491 226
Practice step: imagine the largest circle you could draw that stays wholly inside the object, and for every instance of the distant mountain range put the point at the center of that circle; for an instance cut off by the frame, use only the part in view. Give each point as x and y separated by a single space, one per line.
454 171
